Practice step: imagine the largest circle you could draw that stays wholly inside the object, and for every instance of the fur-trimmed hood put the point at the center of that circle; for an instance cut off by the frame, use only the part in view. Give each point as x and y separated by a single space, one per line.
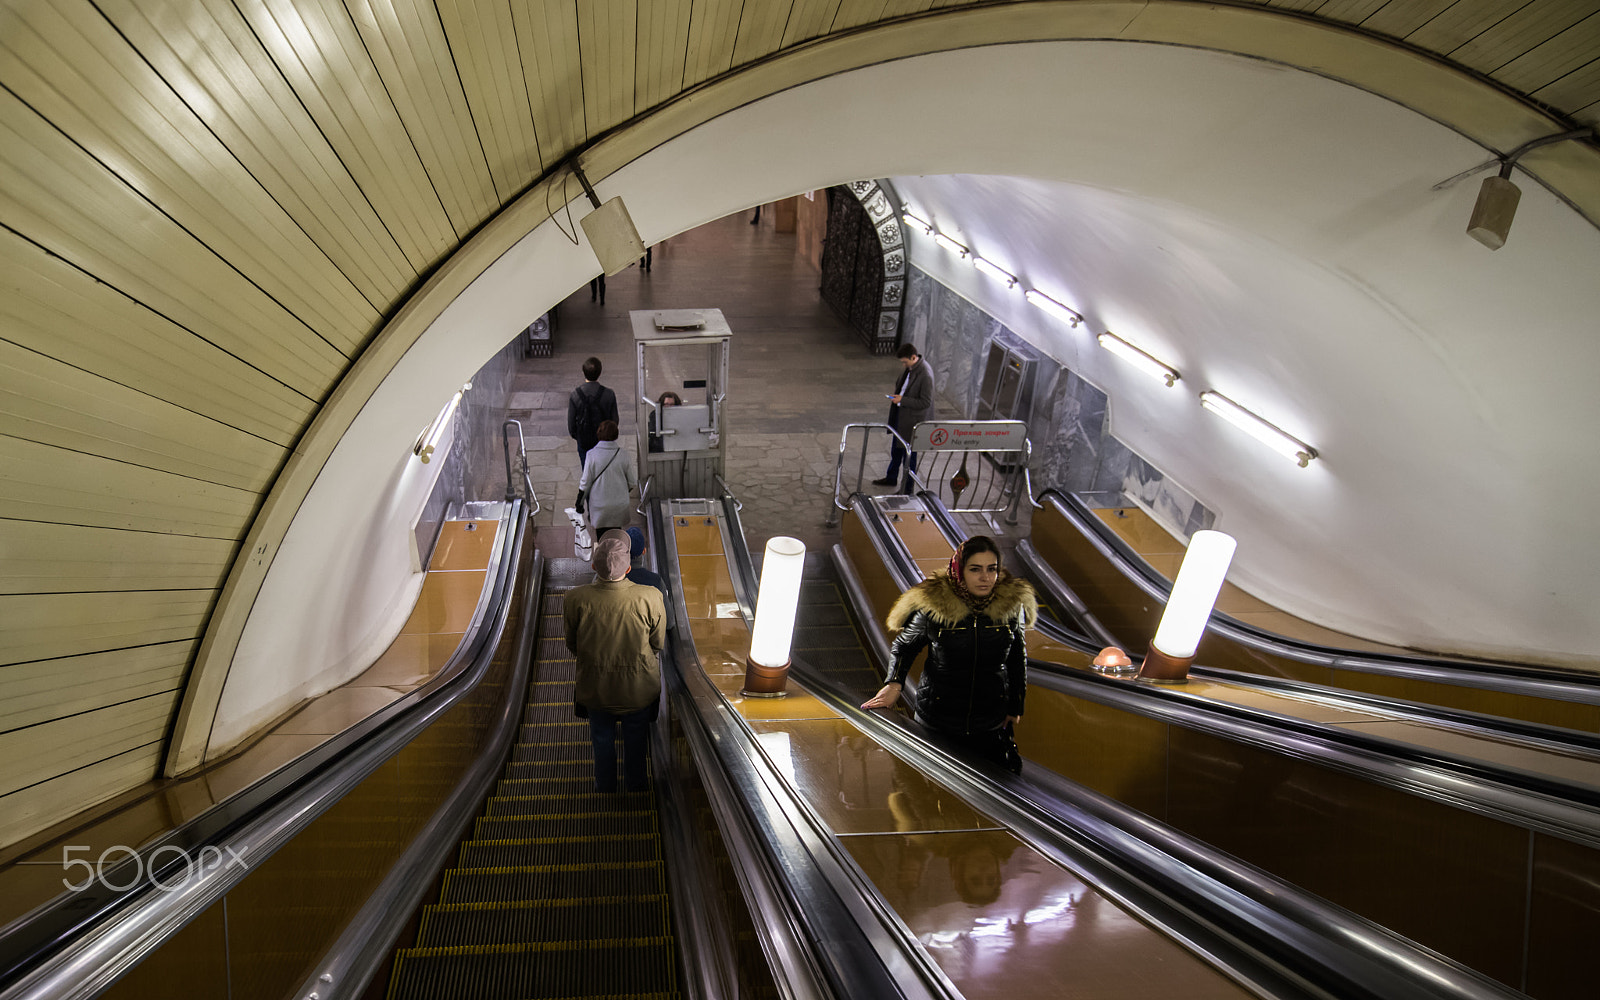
1013 600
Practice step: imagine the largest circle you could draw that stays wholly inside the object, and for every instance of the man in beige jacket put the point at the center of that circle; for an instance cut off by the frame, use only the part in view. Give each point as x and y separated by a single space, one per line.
616 628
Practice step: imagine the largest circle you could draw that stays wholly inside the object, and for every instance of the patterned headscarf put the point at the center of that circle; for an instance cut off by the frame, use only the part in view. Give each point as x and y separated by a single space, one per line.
959 559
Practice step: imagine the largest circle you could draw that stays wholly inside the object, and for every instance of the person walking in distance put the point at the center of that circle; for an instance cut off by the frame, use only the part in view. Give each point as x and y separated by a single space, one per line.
616 628
590 405
911 403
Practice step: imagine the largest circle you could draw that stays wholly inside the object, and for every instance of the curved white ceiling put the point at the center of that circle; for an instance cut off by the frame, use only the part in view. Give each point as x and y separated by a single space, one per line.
1271 232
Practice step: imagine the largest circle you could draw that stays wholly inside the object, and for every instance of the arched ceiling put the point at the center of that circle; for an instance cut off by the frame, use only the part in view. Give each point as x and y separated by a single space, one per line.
225 222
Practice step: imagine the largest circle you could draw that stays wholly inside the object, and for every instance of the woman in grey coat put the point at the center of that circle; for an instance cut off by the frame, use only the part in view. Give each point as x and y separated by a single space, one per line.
609 479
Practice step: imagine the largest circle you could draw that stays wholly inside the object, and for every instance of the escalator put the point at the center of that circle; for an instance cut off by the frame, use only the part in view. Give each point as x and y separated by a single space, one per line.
553 869
1123 593
1486 859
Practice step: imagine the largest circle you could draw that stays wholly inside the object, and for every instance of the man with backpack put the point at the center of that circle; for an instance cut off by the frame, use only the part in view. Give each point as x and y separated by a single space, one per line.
590 405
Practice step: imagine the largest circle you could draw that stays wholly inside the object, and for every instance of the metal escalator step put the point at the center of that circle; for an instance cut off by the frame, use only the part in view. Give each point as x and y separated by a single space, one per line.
481 885
544 920
641 967
554 711
589 802
578 784
547 762
543 732
554 851
593 824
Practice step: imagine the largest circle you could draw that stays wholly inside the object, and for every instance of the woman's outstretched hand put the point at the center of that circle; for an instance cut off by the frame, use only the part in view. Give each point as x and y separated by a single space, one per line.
885 698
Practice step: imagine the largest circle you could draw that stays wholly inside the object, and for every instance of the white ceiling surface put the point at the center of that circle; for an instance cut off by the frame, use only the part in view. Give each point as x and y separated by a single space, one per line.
1270 232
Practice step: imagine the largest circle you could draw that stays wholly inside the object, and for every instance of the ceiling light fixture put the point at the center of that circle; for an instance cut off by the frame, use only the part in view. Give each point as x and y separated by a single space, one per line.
995 271
1268 434
916 223
1065 314
1139 359
950 245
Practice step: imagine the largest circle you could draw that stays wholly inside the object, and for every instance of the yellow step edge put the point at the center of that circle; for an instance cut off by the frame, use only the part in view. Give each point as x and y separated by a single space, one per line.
535 904
536 946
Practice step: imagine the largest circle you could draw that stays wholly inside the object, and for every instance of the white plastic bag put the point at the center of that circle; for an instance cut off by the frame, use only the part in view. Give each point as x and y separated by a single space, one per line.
582 540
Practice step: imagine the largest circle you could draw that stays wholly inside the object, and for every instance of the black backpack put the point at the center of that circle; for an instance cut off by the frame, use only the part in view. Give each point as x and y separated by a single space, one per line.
587 422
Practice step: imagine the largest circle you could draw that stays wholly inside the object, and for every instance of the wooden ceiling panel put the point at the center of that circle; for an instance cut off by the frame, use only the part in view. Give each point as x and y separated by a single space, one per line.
1459 23
43 483
54 309
44 558
31 693
854 13
406 42
207 53
40 752
1563 57
50 403
663 46
1524 31
809 19
761 27
1579 89
713 28
316 46
54 626
608 39
33 808
1399 18
483 39
1349 11
547 38
58 197
74 70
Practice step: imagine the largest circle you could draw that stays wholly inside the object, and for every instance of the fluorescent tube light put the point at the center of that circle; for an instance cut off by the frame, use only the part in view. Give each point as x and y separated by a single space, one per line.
950 244
429 441
916 223
996 272
1064 313
1139 359
1269 435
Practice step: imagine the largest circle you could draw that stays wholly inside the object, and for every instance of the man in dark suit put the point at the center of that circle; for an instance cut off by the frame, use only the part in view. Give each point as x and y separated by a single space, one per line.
911 404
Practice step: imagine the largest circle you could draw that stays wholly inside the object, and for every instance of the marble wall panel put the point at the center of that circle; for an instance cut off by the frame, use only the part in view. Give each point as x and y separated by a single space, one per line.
1074 450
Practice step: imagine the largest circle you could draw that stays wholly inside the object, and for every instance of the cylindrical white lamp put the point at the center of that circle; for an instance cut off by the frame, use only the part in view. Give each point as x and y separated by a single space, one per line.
1194 594
767 667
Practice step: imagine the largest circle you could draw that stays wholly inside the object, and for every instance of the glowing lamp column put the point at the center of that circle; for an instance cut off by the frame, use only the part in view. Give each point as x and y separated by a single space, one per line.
1194 593
766 669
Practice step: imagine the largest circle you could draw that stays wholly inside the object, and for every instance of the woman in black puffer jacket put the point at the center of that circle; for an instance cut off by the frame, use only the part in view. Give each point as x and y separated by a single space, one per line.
971 618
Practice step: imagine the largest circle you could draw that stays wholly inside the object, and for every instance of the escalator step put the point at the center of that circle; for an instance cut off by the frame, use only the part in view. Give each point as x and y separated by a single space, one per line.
484 885
544 732
606 824
548 762
641 967
546 787
545 852
556 711
544 920
557 805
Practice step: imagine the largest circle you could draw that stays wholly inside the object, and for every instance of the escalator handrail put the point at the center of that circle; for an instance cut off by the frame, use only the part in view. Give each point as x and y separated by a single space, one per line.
367 942
1294 933
1566 809
1539 681
65 949
837 924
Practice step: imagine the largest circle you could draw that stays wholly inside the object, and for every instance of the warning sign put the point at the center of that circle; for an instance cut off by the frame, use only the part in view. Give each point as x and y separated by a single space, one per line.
969 435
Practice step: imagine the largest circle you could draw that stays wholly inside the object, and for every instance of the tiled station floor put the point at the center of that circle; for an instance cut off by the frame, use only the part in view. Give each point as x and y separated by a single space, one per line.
797 375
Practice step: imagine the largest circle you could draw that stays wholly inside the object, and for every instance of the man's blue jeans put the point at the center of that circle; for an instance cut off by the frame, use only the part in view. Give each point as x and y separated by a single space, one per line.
897 452
635 736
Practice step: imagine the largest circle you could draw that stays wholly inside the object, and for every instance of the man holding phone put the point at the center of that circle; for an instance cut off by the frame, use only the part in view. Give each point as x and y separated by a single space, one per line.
909 405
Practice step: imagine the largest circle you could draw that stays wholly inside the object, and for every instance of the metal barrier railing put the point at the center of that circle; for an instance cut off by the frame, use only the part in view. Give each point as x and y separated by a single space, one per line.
522 462
992 480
